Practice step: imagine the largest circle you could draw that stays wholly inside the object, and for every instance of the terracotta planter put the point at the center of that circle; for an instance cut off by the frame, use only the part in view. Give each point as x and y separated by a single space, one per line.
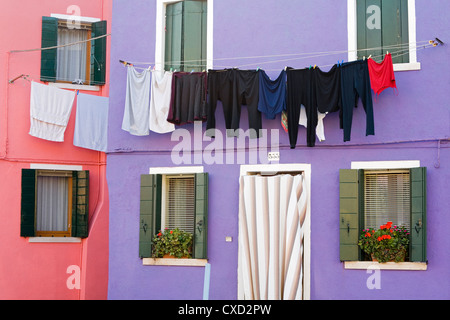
169 256
402 260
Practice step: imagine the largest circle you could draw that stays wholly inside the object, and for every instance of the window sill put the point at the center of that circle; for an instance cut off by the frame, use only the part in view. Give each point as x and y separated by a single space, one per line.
174 262
412 66
70 86
54 240
365 265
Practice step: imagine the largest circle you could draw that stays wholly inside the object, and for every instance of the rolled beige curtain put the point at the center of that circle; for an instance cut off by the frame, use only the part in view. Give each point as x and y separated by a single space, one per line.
271 215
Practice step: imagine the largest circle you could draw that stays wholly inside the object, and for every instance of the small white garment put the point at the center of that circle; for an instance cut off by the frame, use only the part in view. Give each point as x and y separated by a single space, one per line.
50 109
137 102
161 92
320 130
91 122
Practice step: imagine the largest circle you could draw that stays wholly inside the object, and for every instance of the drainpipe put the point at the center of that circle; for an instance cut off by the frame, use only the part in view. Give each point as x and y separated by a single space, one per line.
4 114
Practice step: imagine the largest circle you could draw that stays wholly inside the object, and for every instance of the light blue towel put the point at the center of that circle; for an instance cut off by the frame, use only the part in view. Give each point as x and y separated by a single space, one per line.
91 122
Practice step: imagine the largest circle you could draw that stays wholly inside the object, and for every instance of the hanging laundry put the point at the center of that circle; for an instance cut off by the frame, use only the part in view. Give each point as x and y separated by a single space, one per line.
284 121
50 109
300 92
320 130
91 122
272 94
137 102
355 84
160 98
188 102
234 88
381 74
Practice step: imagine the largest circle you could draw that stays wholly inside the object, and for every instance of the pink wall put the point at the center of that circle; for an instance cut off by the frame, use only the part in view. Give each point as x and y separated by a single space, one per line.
39 270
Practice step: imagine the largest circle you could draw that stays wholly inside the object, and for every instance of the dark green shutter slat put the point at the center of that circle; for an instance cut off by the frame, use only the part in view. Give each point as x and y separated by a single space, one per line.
418 214
150 211
98 53
28 203
194 34
201 216
48 57
350 211
173 38
80 204
395 28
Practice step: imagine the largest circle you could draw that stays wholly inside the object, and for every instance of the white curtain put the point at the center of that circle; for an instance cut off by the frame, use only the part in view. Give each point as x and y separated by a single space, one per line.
52 203
272 211
71 60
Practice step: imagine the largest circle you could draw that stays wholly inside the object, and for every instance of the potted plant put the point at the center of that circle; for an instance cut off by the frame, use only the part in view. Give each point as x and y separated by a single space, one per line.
174 243
388 243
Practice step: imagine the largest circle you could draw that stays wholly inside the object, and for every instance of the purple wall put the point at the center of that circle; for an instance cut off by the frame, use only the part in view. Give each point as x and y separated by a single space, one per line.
407 127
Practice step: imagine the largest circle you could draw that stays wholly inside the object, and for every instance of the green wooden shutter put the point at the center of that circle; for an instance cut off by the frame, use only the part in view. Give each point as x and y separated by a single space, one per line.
418 214
393 31
28 203
173 40
368 38
150 212
98 53
80 204
395 28
194 34
201 216
351 206
48 57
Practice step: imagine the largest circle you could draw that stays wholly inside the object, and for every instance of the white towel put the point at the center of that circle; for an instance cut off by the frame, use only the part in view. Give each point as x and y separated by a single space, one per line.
50 109
137 102
91 122
161 91
320 130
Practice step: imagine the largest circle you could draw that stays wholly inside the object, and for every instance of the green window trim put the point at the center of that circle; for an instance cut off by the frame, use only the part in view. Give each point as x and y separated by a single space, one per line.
80 203
185 35
49 56
150 214
391 30
351 213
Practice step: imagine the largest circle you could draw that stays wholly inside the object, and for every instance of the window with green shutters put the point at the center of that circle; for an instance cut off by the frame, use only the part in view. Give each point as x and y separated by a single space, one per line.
369 198
185 35
174 201
54 203
382 25
81 63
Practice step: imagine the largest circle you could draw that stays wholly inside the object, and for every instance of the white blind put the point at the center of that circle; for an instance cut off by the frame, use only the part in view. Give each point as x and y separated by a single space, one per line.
180 203
71 60
52 203
387 198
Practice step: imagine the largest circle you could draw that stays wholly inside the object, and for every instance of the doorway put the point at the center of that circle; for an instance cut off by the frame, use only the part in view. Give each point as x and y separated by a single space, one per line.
274 232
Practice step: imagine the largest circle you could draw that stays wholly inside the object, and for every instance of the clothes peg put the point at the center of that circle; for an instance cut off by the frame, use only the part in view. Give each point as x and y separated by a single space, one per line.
314 66
364 58
310 67
369 57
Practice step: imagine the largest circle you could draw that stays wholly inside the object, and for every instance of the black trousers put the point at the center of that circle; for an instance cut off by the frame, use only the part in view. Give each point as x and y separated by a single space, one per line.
234 88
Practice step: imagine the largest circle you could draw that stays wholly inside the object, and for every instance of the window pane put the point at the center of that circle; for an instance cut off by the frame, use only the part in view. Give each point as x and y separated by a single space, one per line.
71 60
52 203
180 203
387 198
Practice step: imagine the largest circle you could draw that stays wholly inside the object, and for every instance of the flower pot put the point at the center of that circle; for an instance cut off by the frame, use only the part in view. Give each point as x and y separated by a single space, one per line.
396 253
169 256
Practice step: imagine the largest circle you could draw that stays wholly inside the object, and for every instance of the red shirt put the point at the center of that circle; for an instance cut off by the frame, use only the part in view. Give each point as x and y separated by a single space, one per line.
381 74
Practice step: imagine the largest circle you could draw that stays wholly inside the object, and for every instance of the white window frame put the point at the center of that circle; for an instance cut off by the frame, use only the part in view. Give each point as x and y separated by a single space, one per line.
160 34
370 265
291 167
174 262
413 64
